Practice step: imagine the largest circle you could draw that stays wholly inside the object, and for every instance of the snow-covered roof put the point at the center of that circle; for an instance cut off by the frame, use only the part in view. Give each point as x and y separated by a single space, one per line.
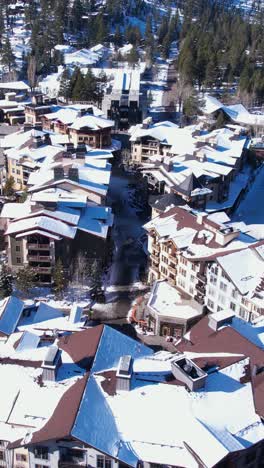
11 309
166 301
237 112
15 85
19 138
43 223
197 240
92 122
248 276
13 210
35 154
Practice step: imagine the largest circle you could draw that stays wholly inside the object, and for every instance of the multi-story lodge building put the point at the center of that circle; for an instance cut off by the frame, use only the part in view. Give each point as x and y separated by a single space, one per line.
198 166
65 211
82 124
209 259
122 101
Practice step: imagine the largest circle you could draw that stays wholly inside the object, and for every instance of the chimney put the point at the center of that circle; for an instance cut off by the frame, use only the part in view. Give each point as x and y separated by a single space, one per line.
27 127
73 174
219 319
46 139
186 371
51 363
37 99
124 373
36 142
146 123
200 218
76 313
10 96
58 173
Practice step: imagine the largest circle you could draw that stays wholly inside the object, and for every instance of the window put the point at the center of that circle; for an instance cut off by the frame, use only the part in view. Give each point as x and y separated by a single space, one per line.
18 172
214 270
41 466
211 291
222 299
181 283
2 455
234 293
193 266
210 304
182 271
21 457
243 313
163 270
232 306
213 279
17 248
223 286
164 259
103 462
18 260
191 290
224 275
192 278
244 301
184 261
219 308
13 171
41 452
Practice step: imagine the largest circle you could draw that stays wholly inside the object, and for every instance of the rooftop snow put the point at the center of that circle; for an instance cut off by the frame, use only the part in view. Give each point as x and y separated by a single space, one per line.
168 302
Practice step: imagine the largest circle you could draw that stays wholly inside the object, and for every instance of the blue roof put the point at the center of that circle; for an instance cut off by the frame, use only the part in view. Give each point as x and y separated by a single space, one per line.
95 423
113 345
11 315
46 312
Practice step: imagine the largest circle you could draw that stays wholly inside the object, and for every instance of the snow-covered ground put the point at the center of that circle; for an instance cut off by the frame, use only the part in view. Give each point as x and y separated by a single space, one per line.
128 235
251 209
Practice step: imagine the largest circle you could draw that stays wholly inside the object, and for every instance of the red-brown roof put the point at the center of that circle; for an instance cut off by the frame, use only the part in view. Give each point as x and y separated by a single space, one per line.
82 346
60 424
202 339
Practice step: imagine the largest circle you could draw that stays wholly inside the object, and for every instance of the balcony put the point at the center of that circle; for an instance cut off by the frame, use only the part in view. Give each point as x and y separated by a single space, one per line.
68 462
199 299
154 268
200 288
201 277
156 248
154 259
38 246
172 269
39 258
43 270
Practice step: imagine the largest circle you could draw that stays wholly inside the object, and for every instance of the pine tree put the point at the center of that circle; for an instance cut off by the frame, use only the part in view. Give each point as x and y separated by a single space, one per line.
133 56
58 278
7 56
118 38
8 189
65 84
6 287
79 93
31 72
76 15
25 279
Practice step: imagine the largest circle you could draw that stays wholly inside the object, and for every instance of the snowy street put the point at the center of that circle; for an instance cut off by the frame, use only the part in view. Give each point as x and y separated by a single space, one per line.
129 257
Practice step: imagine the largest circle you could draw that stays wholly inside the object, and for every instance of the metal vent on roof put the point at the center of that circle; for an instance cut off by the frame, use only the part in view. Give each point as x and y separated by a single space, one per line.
124 365
124 372
51 355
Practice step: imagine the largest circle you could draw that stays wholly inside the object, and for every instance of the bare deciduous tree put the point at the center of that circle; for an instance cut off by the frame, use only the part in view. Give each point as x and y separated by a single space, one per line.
32 72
